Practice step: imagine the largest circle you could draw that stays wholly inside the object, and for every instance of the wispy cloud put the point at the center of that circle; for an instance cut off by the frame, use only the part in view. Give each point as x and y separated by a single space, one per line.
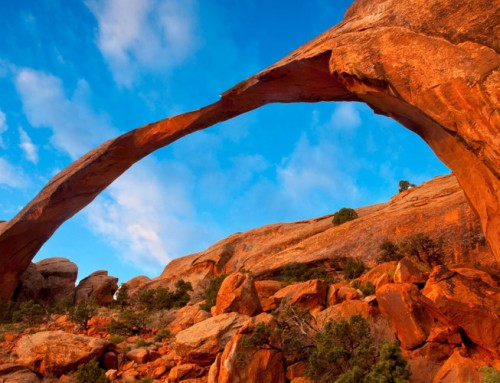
12 176
148 221
3 128
29 149
76 127
139 35
346 117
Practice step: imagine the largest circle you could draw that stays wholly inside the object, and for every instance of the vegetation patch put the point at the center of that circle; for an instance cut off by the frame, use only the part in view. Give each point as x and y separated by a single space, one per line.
300 272
344 215
211 292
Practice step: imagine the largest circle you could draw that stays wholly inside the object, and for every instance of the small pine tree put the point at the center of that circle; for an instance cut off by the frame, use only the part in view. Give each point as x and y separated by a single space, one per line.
405 185
391 366
122 298
29 312
81 313
389 251
352 268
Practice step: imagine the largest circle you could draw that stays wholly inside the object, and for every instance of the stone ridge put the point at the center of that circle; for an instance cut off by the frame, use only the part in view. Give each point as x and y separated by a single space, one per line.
437 208
432 65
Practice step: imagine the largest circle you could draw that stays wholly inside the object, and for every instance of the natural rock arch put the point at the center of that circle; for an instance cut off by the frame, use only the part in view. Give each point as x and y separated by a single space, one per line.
432 65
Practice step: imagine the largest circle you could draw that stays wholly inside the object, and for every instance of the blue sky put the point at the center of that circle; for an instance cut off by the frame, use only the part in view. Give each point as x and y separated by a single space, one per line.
76 73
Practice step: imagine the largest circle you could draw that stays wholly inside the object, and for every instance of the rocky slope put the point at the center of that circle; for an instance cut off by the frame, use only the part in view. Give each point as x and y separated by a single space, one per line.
432 65
437 208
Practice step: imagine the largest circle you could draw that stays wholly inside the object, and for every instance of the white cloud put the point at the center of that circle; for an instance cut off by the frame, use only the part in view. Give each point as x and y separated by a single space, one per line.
12 176
137 35
76 127
3 127
29 149
346 117
148 221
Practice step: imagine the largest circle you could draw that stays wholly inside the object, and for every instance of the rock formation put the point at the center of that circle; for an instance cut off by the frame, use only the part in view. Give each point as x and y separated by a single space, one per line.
100 285
431 65
438 208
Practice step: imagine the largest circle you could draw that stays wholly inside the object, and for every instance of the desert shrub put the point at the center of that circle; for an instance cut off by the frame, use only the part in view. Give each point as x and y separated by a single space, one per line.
142 343
81 313
211 292
91 372
352 268
424 249
405 185
344 351
129 323
367 289
301 272
163 334
391 366
344 215
489 375
116 339
122 298
6 311
291 334
162 298
63 306
389 251
29 312
147 379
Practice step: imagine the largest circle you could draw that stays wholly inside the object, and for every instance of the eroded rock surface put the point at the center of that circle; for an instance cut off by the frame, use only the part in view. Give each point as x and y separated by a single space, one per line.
432 65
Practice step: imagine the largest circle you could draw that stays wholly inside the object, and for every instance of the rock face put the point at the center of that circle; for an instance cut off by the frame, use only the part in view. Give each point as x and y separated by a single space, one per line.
13 373
438 207
98 284
202 342
48 281
431 65
56 352
238 294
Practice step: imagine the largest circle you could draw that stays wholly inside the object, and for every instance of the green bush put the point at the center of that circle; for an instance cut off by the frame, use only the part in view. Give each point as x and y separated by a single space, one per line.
162 298
29 312
63 306
489 375
405 185
116 339
389 251
367 289
91 372
344 215
391 367
211 292
129 323
343 350
424 249
301 272
163 334
81 313
352 268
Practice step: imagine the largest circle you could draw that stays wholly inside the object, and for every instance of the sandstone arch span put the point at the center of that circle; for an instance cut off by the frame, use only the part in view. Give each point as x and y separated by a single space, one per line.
432 65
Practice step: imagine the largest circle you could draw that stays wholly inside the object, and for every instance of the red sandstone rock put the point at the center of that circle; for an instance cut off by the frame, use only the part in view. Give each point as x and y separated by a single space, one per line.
426 361
265 290
238 294
309 295
408 272
468 303
56 352
265 366
13 373
202 342
432 65
411 317
138 355
458 369
372 275
98 284
186 317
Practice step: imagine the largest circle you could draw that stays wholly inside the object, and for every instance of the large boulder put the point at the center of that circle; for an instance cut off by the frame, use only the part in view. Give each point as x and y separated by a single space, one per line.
468 302
98 284
238 365
186 317
458 368
408 272
15 373
57 352
238 294
202 342
426 361
265 290
411 314
30 285
310 295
